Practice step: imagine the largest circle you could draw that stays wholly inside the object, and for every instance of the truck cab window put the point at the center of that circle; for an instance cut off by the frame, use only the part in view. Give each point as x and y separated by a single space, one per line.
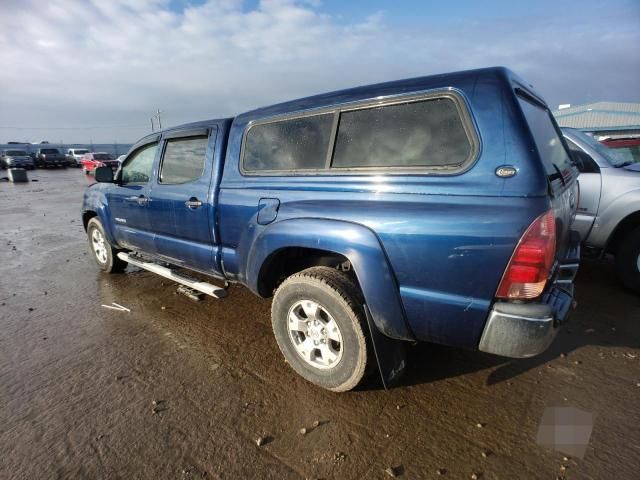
139 166
183 160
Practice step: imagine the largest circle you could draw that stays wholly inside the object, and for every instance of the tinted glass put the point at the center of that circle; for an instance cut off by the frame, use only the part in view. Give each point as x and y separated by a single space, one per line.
139 167
632 152
550 146
583 160
17 153
300 143
49 151
102 156
183 160
418 134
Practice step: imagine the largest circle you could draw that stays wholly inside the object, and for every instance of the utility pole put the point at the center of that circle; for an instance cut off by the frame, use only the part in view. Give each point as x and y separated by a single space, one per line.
156 116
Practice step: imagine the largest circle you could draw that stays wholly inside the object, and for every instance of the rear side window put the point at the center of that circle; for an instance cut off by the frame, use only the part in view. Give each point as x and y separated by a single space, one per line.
183 160
433 133
418 134
552 152
294 144
139 167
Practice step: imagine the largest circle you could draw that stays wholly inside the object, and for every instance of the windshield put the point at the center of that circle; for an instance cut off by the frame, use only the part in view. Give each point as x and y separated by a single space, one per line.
616 159
102 156
16 153
49 150
79 151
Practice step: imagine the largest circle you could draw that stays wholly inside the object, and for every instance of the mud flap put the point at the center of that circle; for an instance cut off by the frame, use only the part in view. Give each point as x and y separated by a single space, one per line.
390 354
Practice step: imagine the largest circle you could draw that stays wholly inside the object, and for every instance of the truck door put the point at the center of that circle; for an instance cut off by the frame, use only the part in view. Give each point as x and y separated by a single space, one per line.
182 208
129 200
590 188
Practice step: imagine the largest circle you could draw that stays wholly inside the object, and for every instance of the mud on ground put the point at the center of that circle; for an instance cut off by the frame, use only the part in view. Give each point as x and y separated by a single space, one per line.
177 389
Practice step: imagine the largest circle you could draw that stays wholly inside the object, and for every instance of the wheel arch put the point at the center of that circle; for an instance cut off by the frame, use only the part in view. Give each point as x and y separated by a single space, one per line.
334 241
95 205
624 227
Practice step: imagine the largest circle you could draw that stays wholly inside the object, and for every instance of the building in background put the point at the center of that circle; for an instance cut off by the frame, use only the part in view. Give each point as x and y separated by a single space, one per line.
602 119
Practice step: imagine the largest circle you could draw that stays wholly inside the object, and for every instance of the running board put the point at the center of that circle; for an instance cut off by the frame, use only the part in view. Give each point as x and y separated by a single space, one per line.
204 287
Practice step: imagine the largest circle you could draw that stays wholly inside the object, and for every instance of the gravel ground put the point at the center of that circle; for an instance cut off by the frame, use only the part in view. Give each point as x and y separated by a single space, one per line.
178 389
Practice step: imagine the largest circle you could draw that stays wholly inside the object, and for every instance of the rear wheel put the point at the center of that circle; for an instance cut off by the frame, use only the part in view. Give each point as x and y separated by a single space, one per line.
320 327
628 260
105 255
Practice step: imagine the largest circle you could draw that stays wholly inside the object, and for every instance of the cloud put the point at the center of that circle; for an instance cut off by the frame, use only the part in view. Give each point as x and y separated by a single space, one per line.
76 65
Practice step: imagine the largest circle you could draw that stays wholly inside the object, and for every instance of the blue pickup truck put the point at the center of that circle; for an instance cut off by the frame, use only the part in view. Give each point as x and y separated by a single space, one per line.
433 209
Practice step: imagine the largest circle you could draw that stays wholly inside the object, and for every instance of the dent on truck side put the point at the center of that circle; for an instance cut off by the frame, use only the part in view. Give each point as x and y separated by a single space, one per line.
355 242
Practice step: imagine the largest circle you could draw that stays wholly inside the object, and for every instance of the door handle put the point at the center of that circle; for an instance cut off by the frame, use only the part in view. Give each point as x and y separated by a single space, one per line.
140 200
193 203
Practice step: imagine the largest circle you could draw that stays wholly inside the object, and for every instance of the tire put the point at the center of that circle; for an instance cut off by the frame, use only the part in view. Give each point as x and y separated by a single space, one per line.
628 260
335 365
105 255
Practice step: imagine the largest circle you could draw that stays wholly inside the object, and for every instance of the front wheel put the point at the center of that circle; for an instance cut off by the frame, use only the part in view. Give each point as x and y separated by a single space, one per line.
105 255
320 327
628 260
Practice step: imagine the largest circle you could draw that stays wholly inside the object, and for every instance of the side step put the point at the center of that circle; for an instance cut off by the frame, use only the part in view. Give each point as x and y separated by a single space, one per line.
204 287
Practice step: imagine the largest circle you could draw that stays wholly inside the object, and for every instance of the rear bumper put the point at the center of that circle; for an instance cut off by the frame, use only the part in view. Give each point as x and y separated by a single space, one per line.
522 330
53 161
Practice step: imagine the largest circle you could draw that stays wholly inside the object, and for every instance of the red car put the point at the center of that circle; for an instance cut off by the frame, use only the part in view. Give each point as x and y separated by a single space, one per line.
91 161
627 149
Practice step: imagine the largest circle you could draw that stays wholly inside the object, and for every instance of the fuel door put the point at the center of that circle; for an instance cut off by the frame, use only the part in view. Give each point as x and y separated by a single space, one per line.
267 210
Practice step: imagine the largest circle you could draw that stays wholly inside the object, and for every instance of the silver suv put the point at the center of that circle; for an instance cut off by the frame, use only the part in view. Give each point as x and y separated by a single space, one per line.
608 217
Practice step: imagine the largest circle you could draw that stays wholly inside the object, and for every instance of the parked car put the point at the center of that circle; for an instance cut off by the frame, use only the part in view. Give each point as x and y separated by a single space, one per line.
74 156
92 160
49 157
626 148
16 159
608 217
434 209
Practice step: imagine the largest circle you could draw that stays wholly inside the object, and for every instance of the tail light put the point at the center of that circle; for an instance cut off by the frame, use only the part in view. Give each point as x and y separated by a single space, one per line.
531 262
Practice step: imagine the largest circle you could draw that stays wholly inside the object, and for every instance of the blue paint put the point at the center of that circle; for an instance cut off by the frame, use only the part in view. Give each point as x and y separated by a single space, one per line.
428 250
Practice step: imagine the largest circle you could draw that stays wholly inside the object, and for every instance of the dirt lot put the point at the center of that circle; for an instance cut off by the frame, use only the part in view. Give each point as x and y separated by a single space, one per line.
78 382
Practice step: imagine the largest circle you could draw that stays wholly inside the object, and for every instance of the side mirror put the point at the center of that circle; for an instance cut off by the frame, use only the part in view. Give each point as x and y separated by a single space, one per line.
104 175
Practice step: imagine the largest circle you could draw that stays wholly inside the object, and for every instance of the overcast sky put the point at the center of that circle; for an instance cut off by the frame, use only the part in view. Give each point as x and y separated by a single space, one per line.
97 70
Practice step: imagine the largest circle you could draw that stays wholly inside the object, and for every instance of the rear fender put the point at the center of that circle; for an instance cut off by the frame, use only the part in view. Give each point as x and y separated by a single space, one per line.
359 245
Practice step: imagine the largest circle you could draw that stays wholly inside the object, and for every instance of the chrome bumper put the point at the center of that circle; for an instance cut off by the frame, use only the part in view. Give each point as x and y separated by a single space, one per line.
521 330
518 332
